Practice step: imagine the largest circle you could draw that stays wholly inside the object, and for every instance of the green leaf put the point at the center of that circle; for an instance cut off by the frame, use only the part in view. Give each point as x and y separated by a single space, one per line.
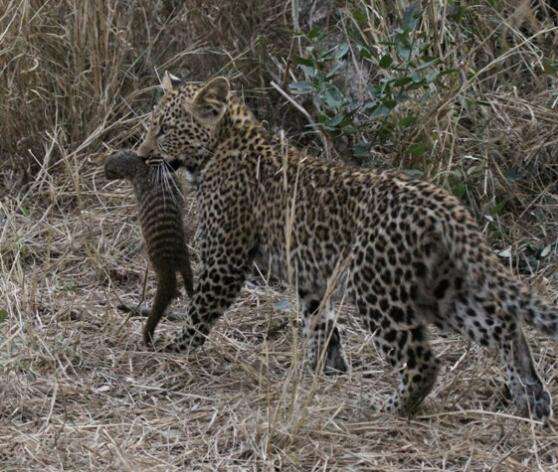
428 62
413 173
333 97
381 112
417 149
459 189
364 52
402 81
310 71
550 67
361 150
350 129
327 55
411 15
498 208
407 121
334 121
389 103
385 61
404 52
513 175
335 69
385 131
432 76
360 17
315 33
342 51
301 87
456 11
416 78
3 315
449 71
304 61
401 96
482 103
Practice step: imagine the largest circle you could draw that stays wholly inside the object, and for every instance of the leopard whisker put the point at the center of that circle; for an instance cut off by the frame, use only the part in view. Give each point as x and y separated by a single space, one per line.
166 177
172 181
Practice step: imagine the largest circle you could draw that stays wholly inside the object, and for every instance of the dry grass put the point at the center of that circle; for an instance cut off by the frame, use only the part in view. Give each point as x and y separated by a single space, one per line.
79 391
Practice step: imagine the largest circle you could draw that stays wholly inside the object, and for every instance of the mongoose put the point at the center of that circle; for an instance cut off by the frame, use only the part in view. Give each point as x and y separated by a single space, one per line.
160 203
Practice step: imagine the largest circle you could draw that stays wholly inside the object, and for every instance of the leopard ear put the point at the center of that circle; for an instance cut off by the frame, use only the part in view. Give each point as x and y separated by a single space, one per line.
210 103
170 82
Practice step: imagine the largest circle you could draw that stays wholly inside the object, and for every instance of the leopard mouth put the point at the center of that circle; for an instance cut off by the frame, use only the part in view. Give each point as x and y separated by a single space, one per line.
171 166
174 165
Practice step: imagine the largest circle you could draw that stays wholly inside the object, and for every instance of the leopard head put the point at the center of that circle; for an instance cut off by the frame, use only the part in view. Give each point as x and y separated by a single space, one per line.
184 124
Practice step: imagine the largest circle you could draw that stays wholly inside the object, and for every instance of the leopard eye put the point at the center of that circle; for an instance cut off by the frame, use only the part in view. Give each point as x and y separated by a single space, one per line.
162 130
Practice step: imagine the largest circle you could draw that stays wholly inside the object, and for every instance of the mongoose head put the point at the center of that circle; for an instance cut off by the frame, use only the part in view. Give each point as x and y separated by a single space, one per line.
123 165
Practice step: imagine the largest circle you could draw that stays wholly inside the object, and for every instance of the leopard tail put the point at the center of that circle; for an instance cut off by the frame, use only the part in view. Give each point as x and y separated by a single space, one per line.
485 275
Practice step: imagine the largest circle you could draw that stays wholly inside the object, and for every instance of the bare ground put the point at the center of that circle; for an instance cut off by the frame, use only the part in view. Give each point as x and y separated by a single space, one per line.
80 391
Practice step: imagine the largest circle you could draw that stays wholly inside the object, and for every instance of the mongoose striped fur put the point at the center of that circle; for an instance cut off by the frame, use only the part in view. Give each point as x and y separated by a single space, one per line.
160 203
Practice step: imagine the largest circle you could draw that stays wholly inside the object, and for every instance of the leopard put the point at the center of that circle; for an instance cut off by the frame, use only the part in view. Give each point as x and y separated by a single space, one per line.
159 196
409 253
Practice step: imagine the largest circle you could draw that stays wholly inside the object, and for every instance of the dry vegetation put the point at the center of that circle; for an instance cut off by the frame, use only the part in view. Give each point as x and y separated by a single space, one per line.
78 390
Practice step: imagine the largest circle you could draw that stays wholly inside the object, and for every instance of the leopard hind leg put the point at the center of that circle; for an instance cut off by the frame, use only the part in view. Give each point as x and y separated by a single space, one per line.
491 321
325 349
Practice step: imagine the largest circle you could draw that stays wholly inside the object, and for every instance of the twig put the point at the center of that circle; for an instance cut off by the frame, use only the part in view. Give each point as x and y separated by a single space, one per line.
306 114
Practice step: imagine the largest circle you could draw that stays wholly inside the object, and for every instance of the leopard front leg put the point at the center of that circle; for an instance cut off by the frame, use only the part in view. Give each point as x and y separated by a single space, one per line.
228 235
220 282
